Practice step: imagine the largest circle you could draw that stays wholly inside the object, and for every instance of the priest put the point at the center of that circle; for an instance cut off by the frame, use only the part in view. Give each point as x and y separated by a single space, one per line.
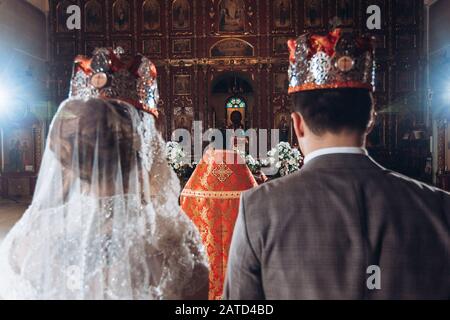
211 199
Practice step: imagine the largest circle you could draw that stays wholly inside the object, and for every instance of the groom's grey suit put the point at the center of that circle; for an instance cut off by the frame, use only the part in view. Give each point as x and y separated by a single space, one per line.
312 235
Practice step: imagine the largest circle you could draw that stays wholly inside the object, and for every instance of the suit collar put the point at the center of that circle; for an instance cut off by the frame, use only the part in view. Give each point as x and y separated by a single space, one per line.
342 161
326 151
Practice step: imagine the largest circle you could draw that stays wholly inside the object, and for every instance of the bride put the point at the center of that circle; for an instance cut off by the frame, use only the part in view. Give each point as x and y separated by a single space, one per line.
104 222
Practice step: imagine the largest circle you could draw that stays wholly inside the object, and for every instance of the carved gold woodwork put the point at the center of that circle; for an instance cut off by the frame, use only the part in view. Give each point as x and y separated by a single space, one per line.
180 42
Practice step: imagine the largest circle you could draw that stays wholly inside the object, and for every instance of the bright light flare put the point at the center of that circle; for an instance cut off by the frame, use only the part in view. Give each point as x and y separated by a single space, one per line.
446 96
5 98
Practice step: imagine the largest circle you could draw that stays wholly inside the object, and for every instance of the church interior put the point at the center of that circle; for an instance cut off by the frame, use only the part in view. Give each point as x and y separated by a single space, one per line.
216 57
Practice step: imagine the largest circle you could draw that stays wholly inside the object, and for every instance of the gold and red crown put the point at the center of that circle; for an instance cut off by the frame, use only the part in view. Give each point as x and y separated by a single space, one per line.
105 75
333 61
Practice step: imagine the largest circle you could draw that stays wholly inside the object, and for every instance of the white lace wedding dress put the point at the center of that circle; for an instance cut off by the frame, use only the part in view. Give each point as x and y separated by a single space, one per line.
101 226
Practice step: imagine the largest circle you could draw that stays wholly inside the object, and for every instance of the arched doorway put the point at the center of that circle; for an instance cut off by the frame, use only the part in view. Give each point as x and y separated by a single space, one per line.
232 101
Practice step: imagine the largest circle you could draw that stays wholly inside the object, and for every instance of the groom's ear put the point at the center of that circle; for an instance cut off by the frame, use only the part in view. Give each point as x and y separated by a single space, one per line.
299 124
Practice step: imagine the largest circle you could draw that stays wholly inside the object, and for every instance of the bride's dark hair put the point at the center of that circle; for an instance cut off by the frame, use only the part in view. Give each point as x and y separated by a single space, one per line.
90 138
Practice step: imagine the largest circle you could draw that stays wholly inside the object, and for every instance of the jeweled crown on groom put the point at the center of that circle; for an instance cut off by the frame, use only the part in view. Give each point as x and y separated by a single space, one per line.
337 60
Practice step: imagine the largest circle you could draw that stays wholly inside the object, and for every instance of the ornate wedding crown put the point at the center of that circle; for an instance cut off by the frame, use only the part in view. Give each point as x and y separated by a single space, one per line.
106 76
337 60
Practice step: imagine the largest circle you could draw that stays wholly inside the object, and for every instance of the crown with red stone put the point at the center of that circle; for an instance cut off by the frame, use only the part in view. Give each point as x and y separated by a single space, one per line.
333 61
105 75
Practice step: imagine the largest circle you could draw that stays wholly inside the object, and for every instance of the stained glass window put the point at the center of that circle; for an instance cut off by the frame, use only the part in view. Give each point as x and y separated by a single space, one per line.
236 103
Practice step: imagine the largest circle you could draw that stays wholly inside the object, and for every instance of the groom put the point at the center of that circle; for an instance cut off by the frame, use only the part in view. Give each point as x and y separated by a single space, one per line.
343 227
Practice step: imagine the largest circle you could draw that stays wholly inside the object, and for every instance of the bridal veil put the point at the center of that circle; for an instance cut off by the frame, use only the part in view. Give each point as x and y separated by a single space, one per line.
104 222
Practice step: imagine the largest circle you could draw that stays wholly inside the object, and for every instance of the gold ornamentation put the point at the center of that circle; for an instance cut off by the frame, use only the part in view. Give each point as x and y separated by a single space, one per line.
99 80
345 64
222 172
106 76
337 85
232 47
212 194
340 59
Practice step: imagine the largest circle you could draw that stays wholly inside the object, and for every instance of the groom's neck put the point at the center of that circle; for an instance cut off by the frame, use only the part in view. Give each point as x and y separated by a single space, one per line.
331 140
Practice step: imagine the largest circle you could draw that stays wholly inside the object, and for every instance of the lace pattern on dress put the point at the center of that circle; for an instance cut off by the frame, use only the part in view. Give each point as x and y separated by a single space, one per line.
135 245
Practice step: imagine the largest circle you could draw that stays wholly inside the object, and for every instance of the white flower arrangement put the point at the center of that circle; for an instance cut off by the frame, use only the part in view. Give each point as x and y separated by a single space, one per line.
253 164
180 163
175 155
285 158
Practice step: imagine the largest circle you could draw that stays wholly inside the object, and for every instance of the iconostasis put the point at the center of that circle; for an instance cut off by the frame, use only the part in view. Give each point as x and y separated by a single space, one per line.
210 51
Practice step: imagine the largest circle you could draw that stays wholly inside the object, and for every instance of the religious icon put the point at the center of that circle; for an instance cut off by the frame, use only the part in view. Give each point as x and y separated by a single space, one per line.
236 120
345 64
182 85
93 16
236 108
280 82
313 13
181 14
282 13
152 46
99 80
151 15
345 12
231 16
181 46
121 15
182 122
19 153
283 126
183 116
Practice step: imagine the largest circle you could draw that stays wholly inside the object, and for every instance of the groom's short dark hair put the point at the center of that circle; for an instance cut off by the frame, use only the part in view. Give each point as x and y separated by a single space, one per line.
335 110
